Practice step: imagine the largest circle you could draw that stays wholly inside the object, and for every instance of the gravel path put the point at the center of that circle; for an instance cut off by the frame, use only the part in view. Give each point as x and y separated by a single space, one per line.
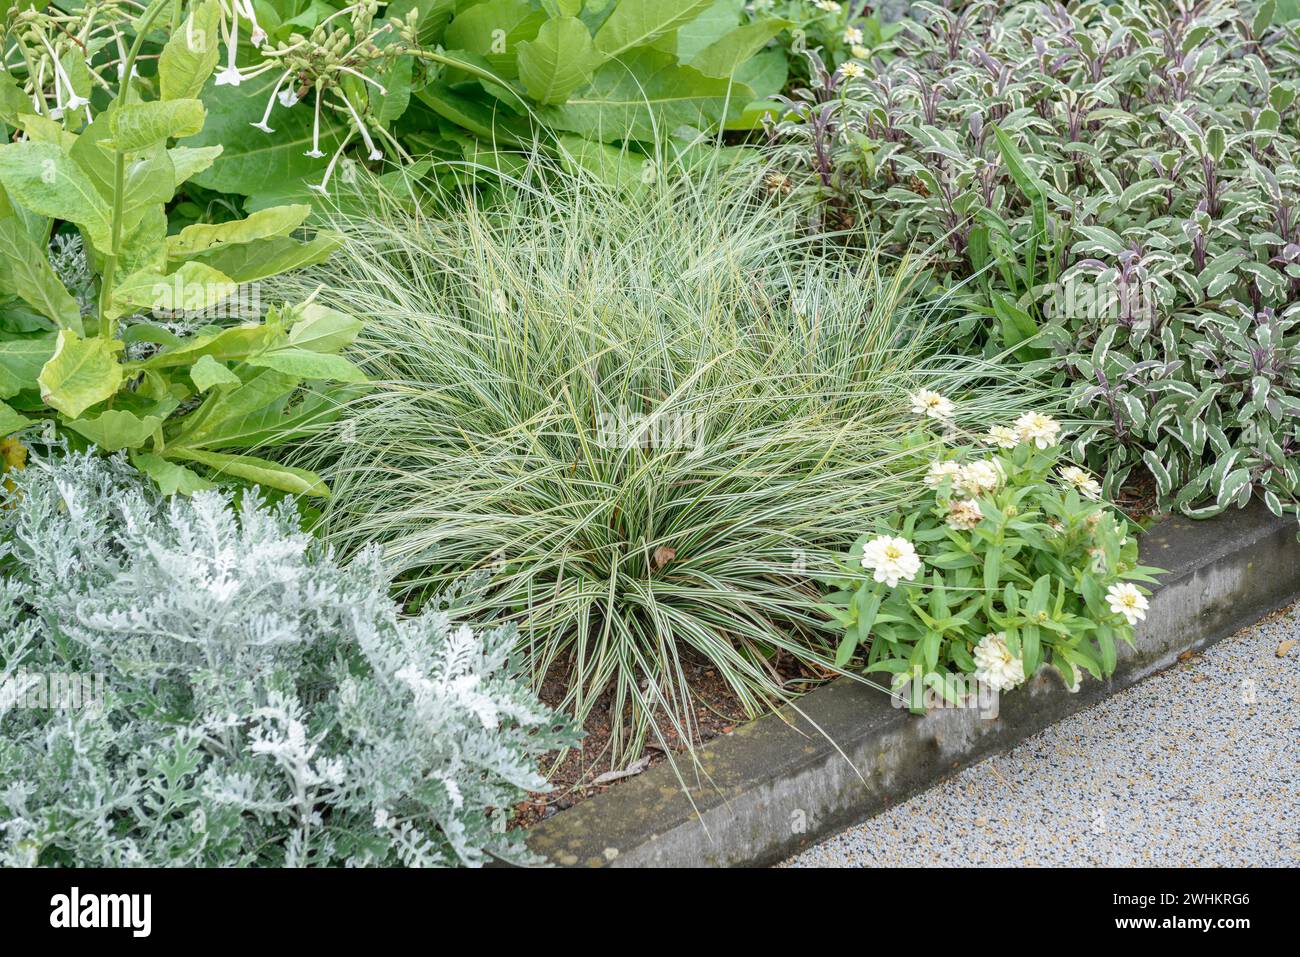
1196 766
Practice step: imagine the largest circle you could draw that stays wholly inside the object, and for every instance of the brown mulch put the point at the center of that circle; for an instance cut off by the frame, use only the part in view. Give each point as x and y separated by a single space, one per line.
717 711
1137 499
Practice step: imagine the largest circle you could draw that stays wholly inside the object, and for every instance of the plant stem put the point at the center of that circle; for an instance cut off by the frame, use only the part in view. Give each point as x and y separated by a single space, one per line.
108 326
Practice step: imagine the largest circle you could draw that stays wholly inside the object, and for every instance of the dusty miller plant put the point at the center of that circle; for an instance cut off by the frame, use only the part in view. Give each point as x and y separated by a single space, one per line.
263 705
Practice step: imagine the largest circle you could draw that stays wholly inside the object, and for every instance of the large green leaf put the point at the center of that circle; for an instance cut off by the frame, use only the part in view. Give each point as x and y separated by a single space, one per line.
493 30
308 365
253 161
21 360
11 421
25 272
194 287
138 126
726 55
81 373
115 430
262 258
258 471
559 61
171 477
647 95
321 329
44 179
191 53
276 221
636 22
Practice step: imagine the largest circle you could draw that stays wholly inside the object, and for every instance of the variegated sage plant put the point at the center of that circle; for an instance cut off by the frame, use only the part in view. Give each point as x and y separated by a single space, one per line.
1110 189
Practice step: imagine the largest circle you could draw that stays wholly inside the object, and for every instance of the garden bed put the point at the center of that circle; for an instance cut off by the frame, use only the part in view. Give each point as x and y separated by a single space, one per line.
845 752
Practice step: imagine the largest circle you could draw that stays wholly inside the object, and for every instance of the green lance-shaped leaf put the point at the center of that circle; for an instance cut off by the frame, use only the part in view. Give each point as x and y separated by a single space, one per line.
264 224
114 430
259 471
306 364
171 477
81 373
43 178
141 125
193 287
21 361
25 272
635 23
321 329
208 372
262 258
191 54
558 61
11 421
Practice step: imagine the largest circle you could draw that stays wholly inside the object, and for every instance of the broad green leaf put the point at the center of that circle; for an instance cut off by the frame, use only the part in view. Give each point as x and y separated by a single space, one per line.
647 95
725 56
21 361
191 54
322 329
114 430
635 23
138 126
276 221
25 272
308 365
208 372
171 477
11 421
189 161
493 30
558 61
194 287
258 471
262 258
81 373
44 179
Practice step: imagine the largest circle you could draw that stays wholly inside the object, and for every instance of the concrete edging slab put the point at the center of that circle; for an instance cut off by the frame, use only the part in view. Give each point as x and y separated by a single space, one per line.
779 783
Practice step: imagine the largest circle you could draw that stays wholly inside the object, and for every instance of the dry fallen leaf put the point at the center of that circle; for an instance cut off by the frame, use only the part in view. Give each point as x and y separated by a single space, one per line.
636 767
661 557
1286 646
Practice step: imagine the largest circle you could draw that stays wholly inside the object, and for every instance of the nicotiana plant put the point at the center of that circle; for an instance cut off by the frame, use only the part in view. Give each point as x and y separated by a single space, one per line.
1112 186
261 705
1011 561
106 332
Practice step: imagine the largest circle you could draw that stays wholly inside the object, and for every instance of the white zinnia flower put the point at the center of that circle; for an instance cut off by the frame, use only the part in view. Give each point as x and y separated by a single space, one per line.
995 665
1086 485
940 470
1126 600
964 514
852 35
930 403
1041 430
851 70
891 559
1003 437
981 478
830 6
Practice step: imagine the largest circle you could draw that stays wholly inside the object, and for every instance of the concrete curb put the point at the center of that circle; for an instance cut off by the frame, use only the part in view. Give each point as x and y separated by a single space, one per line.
845 753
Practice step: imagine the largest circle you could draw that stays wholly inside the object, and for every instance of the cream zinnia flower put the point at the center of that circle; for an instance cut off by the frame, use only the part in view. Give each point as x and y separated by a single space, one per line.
851 70
964 514
929 403
1002 436
995 665
852 35
830 6
1126 600
1085 484
891 559
940 470
1042 430
981 478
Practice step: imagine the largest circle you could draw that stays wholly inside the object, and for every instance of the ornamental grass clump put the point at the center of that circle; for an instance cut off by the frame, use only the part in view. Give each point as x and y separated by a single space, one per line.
250 702
651 413
1010 561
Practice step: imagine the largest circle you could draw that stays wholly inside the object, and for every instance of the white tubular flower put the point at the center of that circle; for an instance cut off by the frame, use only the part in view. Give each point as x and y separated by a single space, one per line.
270 104
315 152
329 170
851 70
230 75
1126 600
891 559
1085 484
288 96
963 515
939 471
1002 437
852 35
256 34
981 478
1041 430
995 666
929 403
375 152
